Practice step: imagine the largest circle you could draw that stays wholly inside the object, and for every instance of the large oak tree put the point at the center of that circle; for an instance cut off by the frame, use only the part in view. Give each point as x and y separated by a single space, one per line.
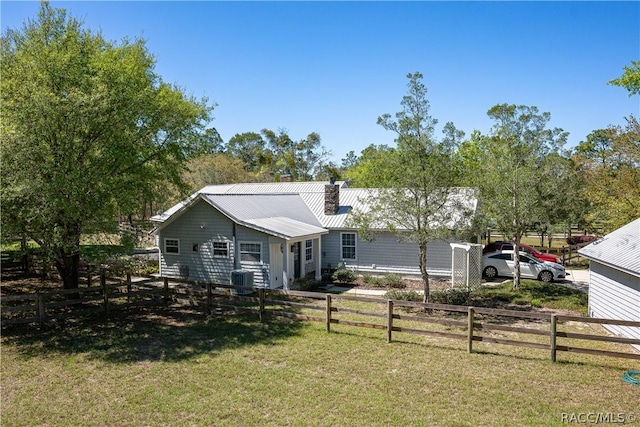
88 128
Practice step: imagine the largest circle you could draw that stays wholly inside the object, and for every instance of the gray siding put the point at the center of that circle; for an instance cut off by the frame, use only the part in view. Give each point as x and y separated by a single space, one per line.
386 253
615 295
201 225
260 270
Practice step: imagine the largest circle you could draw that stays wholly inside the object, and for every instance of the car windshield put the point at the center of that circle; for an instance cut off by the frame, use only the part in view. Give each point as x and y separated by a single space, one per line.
534 251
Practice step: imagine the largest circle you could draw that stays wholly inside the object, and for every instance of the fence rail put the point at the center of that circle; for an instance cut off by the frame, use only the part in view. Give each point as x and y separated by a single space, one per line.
478 325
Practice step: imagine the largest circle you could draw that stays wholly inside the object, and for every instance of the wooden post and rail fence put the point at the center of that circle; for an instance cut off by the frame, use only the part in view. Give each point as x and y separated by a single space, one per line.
447 321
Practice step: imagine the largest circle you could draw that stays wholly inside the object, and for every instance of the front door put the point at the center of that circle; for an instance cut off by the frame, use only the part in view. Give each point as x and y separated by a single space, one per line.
276 257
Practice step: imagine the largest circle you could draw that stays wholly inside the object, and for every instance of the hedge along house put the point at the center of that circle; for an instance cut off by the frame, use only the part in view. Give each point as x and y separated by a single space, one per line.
614 284
280 232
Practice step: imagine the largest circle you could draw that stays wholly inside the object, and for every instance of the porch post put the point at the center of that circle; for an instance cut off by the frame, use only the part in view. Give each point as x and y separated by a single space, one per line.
302 257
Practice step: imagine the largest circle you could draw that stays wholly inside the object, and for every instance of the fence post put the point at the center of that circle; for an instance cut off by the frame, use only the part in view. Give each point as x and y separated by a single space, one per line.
554 323
209 298
88 277
564 260
389 319
470 330
41 312
261 295
328 314
128 286
105 291
166 291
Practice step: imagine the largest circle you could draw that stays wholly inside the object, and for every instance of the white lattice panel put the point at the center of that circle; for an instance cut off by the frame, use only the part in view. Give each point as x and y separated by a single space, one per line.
466 265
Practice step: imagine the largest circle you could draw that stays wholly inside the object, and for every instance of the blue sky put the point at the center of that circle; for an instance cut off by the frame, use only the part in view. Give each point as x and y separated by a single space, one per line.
334 67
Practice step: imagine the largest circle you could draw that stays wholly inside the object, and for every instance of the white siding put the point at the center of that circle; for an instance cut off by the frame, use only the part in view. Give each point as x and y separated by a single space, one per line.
615 295
386 253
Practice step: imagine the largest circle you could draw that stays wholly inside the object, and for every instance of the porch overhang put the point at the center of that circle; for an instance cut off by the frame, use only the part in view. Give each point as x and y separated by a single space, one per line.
285 228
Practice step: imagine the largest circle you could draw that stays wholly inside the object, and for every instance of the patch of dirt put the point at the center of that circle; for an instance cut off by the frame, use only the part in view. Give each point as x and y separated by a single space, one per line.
410 285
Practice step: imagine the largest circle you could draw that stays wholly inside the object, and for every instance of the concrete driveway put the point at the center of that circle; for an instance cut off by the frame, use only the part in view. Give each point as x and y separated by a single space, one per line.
577 279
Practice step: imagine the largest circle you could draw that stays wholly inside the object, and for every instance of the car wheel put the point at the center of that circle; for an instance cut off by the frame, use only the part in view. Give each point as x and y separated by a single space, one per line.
546 276
490 272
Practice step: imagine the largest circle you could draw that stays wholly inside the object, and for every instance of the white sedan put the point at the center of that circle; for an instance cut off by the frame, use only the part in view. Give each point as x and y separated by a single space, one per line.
501 264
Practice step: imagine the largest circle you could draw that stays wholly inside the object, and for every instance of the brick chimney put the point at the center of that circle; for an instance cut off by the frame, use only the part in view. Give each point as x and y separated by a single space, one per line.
331 197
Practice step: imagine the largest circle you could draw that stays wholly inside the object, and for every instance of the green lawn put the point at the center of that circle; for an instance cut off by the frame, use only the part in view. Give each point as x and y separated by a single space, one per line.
534 293
170 368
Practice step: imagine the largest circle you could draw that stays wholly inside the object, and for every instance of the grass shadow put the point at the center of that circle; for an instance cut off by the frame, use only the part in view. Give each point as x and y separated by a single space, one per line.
149 334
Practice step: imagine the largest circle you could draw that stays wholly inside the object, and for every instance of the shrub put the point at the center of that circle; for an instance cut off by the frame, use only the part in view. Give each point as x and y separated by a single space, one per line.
305 284
536 303
394 281
451 296
344 275
377 282
403 295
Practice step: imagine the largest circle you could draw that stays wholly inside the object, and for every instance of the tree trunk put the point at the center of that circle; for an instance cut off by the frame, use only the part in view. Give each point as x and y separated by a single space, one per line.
423 271
69 268
516 263
68 257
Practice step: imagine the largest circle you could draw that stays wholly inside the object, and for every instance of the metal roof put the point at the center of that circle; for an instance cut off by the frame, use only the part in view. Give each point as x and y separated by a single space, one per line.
286 228
357 199
350 198
250 188
298 201
619 249
254 206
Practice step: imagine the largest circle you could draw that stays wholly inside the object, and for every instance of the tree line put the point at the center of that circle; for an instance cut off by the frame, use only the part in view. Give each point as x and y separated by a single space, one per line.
90 133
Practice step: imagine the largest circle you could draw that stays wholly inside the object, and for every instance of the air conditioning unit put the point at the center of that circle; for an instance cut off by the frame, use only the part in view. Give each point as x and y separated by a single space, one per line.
244 279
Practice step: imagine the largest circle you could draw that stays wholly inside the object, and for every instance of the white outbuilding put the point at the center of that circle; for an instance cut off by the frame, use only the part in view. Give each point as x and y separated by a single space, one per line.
614 287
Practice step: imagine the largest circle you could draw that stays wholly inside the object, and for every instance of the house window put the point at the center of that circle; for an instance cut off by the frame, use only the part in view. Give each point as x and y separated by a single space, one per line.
348 245
221 249
308 250
172 246
251 252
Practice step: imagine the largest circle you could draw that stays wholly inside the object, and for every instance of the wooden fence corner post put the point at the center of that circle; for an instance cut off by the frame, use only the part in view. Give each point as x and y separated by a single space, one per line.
328 313
552 334
470 330
41 312
389 319
261 296
166 291
209 298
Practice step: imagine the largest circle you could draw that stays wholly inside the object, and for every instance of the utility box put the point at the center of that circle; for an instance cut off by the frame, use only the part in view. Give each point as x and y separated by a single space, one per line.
244 279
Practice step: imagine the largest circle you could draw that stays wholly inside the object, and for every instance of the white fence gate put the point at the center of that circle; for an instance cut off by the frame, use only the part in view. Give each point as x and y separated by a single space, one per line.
466 265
